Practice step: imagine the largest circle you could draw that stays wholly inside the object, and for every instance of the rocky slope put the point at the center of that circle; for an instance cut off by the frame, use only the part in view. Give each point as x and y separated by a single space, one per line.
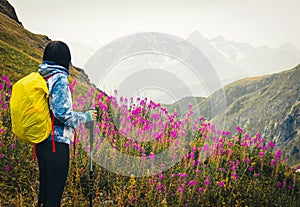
7 9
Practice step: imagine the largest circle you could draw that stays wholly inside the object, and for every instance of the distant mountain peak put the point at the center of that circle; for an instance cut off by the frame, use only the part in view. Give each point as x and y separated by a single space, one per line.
219 40
197 35
7 9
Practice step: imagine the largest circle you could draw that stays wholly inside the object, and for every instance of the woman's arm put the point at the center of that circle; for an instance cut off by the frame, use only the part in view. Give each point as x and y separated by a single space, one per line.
61 104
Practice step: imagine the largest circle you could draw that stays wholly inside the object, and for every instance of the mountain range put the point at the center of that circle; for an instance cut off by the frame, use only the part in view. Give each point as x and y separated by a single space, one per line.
231 60
234 60
266 104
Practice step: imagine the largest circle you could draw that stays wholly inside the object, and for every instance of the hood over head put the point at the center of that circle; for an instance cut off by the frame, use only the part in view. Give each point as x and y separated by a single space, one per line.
49 68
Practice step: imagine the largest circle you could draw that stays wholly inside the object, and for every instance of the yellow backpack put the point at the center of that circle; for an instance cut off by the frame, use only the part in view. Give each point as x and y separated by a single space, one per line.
30 114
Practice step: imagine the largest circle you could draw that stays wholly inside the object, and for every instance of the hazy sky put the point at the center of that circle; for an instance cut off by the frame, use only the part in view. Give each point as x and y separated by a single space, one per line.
259 22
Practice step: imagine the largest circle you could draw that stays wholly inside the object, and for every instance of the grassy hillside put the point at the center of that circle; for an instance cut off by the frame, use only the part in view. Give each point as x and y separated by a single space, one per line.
21 53
268 105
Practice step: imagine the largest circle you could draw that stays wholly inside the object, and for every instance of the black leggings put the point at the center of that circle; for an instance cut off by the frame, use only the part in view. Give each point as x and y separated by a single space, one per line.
53 169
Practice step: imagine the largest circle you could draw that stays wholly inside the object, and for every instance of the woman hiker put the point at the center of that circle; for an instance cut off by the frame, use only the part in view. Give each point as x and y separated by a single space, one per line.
54 166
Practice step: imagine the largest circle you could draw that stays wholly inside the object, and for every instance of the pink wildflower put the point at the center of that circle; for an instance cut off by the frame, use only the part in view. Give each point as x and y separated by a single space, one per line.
192 183
278 155
247 160
181 189
159 186
201 190
261 154
271 144
152 156
206 182
273 162
221 183
239 129
235 176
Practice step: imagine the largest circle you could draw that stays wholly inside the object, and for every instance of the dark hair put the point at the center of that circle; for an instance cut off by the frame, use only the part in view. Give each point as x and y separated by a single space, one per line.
58 52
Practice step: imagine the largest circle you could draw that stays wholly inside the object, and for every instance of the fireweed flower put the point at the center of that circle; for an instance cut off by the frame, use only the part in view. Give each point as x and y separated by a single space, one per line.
239 129
173 134
247 160
6 168
205 147
251 168
12 146
200 190
159 186
184 175
1 156
271 144
192 183
180 189
273 162
206 182
244 144
221 183
261 154
6 79
152 156
235 176
278 155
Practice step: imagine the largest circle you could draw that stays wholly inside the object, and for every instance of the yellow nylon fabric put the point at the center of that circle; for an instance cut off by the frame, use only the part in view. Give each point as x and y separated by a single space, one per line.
29 108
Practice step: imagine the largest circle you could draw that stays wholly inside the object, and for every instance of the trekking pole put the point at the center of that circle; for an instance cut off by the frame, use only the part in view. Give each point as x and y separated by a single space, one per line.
91 163
90 125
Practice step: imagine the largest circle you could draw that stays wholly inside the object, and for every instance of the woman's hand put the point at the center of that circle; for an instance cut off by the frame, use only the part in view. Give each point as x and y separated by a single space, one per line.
93 114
